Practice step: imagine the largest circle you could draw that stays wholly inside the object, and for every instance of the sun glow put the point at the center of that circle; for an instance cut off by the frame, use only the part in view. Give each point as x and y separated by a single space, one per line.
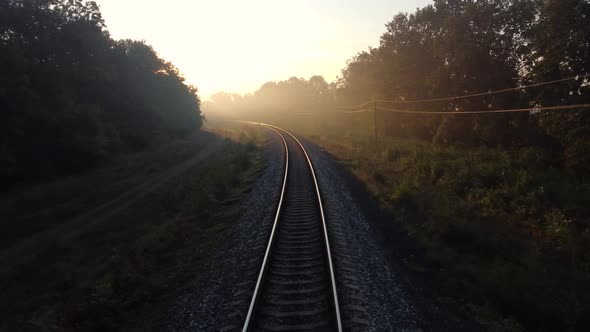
238 45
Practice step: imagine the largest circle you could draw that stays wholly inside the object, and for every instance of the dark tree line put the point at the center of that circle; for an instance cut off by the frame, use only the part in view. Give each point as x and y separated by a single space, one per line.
71 96
458 47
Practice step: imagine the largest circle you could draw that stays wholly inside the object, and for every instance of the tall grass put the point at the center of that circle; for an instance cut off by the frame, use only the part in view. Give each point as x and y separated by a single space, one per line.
509 229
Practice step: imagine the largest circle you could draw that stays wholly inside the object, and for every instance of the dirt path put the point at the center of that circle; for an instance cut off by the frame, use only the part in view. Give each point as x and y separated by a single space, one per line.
87 220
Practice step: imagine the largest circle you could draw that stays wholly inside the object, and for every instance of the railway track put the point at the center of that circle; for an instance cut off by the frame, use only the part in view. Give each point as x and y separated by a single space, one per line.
296 288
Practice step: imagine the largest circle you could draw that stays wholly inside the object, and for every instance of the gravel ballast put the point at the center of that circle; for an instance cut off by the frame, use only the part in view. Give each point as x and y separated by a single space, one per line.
372 294
387 306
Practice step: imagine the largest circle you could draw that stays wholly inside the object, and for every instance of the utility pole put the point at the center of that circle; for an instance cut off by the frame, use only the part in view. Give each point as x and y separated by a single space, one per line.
375 123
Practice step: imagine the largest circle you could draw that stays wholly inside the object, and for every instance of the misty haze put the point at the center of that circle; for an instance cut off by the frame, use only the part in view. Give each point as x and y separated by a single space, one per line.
415 165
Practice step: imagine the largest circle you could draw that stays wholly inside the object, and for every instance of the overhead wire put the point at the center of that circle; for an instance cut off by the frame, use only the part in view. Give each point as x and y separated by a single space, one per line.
524 87
356 106
516 110
359 111
334 111
374 103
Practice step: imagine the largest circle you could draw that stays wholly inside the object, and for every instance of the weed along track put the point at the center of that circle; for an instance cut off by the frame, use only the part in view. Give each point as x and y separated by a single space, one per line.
296 288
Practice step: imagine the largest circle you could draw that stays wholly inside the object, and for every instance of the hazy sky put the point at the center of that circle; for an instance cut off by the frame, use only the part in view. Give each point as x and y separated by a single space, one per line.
236 46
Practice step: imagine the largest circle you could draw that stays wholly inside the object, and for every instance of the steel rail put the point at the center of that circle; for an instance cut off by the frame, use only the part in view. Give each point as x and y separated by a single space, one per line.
271 240
264 267
325 227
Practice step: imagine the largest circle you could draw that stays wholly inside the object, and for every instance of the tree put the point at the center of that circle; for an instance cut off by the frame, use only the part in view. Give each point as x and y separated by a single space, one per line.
71 97
562 49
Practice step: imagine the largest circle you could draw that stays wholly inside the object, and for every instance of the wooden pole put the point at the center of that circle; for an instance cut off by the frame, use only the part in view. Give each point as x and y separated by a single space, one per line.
375 124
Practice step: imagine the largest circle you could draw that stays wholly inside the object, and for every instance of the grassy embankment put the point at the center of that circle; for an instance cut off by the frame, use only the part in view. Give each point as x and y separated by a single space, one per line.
507 232
113 276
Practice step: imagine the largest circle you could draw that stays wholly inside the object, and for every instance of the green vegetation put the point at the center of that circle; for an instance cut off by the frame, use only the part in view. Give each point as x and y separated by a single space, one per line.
114 276
507 230
71 97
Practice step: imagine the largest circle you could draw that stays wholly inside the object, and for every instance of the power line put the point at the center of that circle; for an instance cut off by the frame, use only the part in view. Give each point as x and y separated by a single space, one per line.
334 111
359 111
515 110
477 94
357 106
345 111
530 109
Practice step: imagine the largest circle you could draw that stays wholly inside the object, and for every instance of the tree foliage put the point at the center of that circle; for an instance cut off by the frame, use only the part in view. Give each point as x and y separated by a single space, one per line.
70 96
561 49
289 96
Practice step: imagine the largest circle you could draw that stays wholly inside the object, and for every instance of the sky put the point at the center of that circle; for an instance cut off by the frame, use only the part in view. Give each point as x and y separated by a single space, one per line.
238 45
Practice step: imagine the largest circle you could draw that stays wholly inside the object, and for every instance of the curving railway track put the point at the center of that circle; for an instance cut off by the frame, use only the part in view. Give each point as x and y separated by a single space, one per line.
296 288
